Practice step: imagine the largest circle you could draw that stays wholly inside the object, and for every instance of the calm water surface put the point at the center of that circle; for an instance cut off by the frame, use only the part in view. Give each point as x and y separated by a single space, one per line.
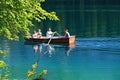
96 54
90 59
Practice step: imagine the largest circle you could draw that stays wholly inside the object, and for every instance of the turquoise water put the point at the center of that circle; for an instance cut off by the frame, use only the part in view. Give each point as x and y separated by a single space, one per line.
96 54
91 59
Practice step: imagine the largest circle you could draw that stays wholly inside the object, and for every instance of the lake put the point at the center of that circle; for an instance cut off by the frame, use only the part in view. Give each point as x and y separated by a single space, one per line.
95 54
89 59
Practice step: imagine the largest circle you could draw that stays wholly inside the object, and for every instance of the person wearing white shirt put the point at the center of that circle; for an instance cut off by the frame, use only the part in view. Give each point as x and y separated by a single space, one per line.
49 33
39 33
34 34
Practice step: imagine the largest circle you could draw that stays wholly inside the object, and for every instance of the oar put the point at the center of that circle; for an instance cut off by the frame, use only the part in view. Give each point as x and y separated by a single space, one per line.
50 39
58 34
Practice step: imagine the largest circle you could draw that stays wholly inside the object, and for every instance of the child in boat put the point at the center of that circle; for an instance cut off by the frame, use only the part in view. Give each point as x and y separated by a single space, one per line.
34 34
49 33
39 33
67 34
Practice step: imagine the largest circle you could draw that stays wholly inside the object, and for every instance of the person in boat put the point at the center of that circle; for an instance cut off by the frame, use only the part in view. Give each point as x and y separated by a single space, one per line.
34 34
39 33
49 33
67 34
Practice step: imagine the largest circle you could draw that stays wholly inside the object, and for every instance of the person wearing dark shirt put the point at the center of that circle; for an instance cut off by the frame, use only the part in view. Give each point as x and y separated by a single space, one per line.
67 34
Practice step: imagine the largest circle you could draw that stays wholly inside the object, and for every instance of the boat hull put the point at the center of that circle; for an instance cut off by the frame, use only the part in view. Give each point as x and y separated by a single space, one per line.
52 40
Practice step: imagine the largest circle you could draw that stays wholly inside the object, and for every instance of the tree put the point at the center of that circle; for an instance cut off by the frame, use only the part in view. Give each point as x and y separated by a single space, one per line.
16 17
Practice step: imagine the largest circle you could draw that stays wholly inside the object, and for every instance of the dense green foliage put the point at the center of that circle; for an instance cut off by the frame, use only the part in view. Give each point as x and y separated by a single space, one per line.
17 15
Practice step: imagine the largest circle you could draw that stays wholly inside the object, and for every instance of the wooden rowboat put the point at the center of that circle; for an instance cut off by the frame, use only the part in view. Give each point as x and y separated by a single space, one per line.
52 40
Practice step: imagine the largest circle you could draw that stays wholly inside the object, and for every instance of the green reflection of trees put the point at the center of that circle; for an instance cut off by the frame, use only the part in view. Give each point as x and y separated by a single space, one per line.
88 18
102 24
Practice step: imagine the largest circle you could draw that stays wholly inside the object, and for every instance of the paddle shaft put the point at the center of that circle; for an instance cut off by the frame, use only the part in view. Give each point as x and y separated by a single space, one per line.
53 35
50 38
58 34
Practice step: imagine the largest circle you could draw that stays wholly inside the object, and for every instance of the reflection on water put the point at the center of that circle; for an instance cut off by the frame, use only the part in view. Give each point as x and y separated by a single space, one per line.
44 49
96 58
67 62
37 48
50 48
69 48
84 18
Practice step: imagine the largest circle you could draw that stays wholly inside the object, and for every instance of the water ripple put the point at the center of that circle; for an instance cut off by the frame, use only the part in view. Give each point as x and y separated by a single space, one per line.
112 44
